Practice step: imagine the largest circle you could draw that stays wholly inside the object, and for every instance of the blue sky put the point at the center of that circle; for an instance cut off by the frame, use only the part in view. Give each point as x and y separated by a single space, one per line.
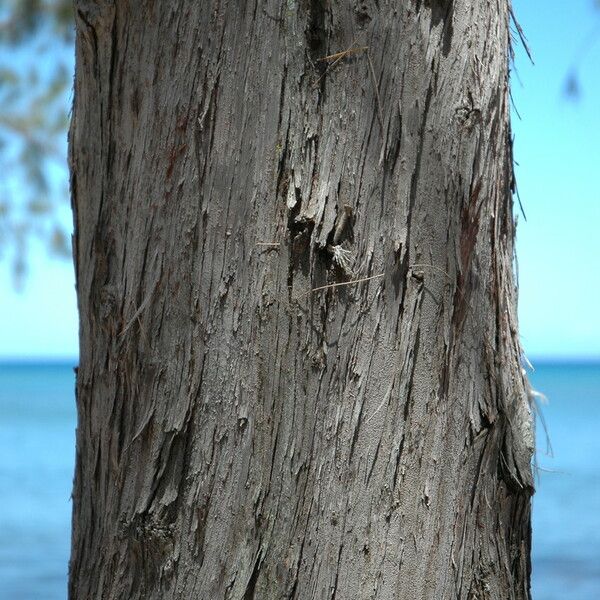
557 147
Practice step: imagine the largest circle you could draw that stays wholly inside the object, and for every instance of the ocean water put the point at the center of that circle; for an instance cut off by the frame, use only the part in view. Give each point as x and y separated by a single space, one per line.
37 436
566 506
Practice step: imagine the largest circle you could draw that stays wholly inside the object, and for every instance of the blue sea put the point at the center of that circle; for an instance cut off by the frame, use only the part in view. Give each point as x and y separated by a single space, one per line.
37 437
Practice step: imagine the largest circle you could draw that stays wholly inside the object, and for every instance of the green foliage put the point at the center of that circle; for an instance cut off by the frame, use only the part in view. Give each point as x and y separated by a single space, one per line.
572 86
20 19
36 64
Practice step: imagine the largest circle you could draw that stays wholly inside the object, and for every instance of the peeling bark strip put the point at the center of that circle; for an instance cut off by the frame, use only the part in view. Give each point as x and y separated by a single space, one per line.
240 437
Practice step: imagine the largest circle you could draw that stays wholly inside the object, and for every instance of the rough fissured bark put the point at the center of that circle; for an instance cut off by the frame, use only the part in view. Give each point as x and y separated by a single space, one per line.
253 424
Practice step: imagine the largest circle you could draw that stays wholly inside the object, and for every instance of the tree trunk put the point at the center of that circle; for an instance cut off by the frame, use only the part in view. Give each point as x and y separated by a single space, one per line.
300 370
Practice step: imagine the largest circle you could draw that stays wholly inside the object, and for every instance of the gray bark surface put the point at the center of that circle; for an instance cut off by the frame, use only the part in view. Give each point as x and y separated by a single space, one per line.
253 422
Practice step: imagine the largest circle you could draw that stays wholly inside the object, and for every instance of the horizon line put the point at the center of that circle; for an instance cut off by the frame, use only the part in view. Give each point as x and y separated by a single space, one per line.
8 361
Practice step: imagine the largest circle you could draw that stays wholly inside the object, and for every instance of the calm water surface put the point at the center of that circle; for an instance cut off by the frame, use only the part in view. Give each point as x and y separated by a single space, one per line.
37 437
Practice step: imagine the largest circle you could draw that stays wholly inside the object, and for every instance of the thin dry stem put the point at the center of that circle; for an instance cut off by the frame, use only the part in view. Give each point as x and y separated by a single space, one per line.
376 86
341 283
343 53
340 55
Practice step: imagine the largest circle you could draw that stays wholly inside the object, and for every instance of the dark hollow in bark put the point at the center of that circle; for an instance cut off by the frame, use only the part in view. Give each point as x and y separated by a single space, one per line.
299 373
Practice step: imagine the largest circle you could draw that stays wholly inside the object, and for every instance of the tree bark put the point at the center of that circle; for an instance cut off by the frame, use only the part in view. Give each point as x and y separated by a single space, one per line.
300 369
